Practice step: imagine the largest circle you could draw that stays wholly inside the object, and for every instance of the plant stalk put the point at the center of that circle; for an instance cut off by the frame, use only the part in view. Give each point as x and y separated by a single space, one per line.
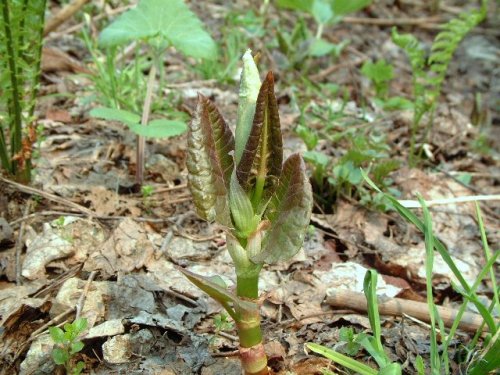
141 142
252 354
15 106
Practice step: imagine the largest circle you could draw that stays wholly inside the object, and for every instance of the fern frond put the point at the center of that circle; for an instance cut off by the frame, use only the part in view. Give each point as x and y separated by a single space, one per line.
445 45
21 25
428 74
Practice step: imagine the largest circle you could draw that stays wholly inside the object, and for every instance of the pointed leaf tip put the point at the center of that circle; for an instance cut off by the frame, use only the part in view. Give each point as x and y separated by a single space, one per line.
262 157
289 212
209 162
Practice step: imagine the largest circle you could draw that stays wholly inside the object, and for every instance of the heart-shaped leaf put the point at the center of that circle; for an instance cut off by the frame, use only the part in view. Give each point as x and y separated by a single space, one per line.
172 21
160 128
261 162
289 212
210 143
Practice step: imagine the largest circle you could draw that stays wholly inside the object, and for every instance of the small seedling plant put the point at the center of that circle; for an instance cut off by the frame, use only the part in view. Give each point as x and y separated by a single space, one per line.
241 183
300 43
158 27
67 344
371 343
380 73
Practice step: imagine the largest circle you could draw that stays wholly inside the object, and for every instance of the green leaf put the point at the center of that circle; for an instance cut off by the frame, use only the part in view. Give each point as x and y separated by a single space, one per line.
220 294
321 47
114 114
341 359
289 212
379 72
391 369
261 162
60 356
78 368
160 128
76 347
248 93
241 209
341 8
171 22
57 335
301 5
209 162
321 11
80 325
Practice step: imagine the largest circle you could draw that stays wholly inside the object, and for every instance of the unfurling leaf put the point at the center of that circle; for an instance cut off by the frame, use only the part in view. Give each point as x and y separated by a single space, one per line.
249 90
210 143
289 211
261 162
242 211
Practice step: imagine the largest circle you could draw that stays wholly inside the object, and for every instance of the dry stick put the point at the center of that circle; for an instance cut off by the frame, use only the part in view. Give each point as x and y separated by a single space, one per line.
168 238
63 15
49 196
470 322
79 26
331 69
78 307
19 245
81 300
392 21
141 142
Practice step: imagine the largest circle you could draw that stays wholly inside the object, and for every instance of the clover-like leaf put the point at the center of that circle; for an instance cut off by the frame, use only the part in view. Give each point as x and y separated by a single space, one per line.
261 162
289 212
209 162
172 21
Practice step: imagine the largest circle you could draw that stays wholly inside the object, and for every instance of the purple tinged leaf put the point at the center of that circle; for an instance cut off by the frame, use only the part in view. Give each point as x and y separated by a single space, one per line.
289 212
261 162
209 162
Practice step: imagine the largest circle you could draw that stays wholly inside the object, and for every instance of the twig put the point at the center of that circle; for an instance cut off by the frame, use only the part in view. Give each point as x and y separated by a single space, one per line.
51 322
392 21
64 14
81 300
19 245
79 26
326 72
168 238
470 322
141 141
472 198
49 196
181 296
99 217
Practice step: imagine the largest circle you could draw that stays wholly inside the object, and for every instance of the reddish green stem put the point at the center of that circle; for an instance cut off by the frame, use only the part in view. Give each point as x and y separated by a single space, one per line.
252 354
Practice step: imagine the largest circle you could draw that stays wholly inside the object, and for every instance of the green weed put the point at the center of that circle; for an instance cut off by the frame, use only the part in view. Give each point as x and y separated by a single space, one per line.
155 28
67 345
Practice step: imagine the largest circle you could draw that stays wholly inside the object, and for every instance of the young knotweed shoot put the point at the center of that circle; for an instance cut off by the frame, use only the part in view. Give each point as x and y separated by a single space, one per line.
241 183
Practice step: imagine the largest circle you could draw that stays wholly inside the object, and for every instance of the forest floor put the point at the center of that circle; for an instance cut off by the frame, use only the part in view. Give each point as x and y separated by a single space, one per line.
83 239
